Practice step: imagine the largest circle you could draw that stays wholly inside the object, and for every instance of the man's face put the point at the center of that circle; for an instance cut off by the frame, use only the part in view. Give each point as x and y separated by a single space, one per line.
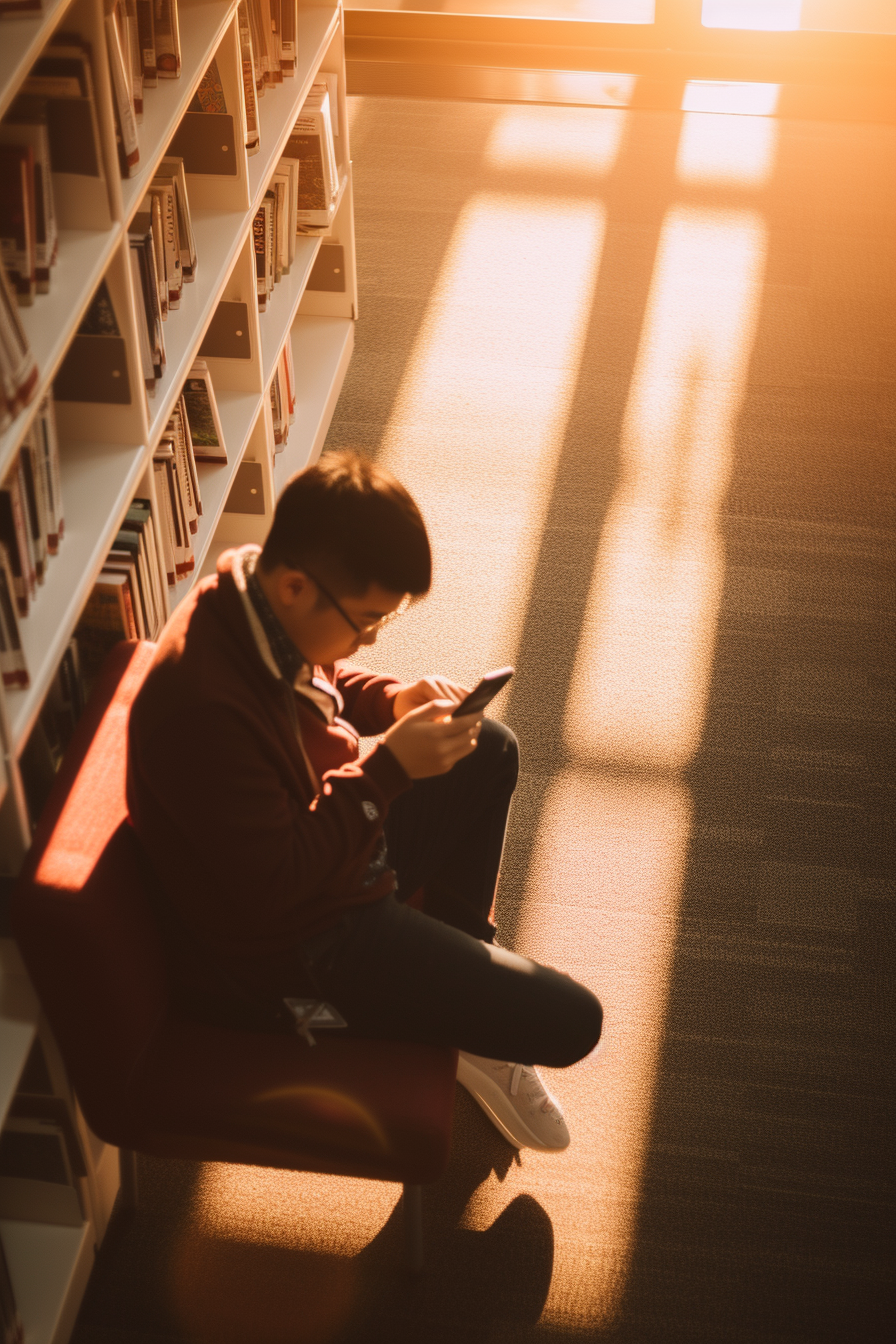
320 623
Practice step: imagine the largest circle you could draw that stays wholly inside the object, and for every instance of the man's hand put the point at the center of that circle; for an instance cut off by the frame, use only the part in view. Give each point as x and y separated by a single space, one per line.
426 742
424 692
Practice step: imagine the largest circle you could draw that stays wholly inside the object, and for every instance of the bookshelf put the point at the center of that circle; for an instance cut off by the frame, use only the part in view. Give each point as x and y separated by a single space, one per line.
106 453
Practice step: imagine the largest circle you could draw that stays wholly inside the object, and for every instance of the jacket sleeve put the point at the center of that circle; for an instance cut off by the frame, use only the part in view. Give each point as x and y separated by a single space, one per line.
368 697
232 839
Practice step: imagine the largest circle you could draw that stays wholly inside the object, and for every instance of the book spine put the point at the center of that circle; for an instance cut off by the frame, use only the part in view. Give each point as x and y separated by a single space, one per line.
127 122
147 40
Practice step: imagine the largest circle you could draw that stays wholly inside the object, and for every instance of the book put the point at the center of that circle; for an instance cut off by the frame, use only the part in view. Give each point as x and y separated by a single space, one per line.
26 123
18 371
107 618
166 522
250 103
288 35
146 36
209 96
18 232
47 444
171 173
311 142
167 39
35 506
260 224
153 205
118 49
13 666
138 523
166 195
184 560
144 251
14 537
131 26
204 422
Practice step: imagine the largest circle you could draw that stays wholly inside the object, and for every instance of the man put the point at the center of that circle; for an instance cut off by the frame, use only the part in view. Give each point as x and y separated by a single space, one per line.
288 867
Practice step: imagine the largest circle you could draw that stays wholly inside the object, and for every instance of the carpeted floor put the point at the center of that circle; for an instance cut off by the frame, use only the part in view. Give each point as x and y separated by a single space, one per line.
638 369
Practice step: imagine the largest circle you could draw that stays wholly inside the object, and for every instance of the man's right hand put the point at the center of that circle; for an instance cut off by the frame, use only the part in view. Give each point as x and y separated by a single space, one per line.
427 742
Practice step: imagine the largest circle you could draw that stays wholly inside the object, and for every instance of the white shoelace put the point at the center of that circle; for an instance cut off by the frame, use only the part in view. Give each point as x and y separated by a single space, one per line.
519 1070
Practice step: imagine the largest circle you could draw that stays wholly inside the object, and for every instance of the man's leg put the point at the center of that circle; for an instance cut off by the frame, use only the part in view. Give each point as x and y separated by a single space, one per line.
396 973
447 834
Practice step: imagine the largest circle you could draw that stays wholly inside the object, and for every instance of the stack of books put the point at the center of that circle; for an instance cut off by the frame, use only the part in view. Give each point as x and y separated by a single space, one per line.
303 191
31 526
18 371
193 434
143 46
163 259
267 30
127 600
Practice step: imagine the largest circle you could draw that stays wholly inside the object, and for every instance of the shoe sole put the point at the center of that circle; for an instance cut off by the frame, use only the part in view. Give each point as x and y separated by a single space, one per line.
480 1089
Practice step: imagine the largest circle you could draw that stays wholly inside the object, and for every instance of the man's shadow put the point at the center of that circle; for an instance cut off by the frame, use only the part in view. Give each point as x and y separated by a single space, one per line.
472 1280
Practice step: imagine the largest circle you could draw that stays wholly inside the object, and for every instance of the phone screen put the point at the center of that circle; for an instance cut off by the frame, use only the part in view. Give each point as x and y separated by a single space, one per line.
484 693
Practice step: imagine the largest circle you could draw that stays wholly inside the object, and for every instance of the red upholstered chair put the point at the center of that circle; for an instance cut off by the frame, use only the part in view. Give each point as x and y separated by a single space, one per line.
152 1082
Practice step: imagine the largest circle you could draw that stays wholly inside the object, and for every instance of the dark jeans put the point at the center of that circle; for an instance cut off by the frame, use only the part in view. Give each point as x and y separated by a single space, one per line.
431 975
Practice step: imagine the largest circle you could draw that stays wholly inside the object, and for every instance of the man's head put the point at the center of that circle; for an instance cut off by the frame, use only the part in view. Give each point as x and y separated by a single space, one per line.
346 549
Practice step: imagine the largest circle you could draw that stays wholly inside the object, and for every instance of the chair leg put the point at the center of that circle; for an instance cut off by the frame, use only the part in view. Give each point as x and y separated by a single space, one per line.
412 1202
128 1193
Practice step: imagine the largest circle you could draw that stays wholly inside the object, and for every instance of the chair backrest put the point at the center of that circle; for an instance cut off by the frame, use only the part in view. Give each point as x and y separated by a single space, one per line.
79 913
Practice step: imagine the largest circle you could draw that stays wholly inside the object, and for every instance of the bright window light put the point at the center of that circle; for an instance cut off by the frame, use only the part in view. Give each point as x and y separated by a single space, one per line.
556 140
837 16
769 15
716 95
716 150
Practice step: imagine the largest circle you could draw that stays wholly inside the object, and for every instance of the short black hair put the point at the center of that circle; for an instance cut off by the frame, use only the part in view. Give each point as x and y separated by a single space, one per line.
355 524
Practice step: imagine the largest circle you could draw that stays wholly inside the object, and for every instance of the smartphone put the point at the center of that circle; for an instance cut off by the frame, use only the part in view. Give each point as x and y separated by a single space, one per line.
484 693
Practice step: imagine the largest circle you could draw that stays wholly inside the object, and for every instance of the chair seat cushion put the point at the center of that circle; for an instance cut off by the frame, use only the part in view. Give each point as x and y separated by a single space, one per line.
380 1109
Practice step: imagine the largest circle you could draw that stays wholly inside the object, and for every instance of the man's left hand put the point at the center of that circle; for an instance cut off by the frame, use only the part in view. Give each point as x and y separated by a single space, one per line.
422 692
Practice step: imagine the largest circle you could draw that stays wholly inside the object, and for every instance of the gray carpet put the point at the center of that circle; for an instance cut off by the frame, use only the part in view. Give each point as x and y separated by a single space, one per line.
638 369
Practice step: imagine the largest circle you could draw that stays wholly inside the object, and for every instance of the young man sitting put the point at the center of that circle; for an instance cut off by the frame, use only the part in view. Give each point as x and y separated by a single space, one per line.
287 867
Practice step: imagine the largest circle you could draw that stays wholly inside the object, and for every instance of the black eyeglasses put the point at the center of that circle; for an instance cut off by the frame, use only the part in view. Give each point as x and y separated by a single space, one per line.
360 629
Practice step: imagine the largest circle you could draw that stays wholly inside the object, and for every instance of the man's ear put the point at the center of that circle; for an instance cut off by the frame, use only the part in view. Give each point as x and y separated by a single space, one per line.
291 586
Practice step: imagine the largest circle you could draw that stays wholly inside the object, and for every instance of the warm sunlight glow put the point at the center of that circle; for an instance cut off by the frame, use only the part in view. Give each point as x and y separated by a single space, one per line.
719 95
610 854
494 370
769 15
838 16
338 1215
272 1256
715 150
556 139
646 648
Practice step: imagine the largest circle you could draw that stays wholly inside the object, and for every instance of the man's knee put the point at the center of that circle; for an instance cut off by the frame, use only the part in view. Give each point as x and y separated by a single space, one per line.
578 1022
499 748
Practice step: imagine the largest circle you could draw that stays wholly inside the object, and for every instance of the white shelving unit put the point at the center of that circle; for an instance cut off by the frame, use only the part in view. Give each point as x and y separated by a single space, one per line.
106 455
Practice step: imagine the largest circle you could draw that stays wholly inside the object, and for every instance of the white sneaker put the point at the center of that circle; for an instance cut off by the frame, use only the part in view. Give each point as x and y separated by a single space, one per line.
516 1101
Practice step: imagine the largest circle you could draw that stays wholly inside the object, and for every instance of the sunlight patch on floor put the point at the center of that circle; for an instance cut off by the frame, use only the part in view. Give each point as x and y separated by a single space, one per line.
556 139
602 905
646 648
493 370
715 149
333 1215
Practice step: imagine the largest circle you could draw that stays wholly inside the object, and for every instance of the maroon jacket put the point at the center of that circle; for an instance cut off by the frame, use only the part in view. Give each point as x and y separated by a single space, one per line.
250 857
